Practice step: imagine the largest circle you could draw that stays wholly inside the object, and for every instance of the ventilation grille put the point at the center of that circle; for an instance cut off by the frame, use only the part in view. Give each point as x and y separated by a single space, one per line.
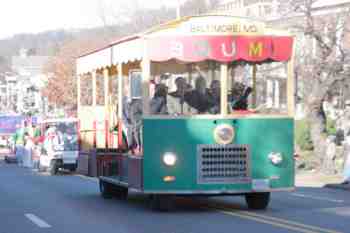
223 164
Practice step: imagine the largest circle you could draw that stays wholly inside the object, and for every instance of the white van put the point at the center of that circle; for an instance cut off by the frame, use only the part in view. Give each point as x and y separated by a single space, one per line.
60 145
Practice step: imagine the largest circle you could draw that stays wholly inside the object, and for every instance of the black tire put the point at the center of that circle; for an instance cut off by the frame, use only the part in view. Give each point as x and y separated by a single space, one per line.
161 203
53 169
106 189
120 192
257 201
73 169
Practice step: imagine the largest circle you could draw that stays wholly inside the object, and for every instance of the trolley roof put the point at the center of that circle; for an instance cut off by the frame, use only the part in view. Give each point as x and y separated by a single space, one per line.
222 38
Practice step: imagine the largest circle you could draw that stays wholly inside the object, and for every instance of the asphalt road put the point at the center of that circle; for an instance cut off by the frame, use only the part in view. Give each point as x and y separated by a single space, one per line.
38 203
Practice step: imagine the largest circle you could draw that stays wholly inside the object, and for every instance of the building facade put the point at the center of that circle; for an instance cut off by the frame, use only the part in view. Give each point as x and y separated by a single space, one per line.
249 8
23 84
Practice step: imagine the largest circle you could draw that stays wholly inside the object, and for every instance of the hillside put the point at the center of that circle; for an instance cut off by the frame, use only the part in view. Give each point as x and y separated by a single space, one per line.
49 43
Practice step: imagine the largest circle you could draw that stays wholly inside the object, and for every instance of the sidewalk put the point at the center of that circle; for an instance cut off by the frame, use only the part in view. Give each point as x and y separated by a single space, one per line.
339 186
314 179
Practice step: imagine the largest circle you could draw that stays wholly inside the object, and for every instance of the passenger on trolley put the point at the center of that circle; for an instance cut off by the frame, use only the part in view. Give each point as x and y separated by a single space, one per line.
214 97
198 98
158 103
176 100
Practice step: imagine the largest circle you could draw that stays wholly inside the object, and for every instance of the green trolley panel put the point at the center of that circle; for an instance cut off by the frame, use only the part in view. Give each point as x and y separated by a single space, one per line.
186 138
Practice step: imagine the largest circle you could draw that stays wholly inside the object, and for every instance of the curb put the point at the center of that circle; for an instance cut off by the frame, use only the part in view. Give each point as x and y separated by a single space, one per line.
345 187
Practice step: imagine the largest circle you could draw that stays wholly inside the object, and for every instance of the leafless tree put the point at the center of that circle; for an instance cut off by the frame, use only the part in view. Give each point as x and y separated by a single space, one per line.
133 16
322 63
197 7
4 66
61 87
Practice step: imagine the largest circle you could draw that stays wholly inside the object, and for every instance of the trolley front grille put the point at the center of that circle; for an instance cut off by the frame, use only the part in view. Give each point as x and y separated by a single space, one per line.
223 164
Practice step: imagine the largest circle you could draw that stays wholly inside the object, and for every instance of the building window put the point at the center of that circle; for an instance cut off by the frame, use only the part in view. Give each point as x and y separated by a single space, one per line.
267 10
248 12
260 11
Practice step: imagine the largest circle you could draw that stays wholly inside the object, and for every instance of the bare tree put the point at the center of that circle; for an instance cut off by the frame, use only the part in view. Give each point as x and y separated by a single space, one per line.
4 65
197 7
61 87
133 16
322 64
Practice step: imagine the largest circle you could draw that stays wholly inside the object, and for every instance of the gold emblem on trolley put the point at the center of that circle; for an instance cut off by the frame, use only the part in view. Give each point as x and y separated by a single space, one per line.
224 134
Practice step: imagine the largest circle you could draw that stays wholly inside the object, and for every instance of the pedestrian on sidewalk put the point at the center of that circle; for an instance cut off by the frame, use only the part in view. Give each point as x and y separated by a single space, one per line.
331 152
346 171
37 140
346 143
18 139
28 147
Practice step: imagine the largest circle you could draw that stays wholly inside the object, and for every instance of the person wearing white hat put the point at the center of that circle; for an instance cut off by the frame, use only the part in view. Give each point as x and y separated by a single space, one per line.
52 140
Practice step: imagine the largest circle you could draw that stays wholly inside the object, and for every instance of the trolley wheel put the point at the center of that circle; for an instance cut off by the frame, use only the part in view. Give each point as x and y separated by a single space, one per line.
257 201
53 169
120 192
161 202
105 189
72 168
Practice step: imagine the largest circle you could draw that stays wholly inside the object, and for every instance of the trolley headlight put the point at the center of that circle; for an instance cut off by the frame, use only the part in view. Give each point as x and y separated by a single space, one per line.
169 159
276 158
224 134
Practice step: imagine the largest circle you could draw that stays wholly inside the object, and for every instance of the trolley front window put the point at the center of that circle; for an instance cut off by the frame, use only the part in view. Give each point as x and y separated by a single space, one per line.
187 89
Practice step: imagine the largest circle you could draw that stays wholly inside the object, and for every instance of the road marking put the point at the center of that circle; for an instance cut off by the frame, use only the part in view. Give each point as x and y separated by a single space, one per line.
229 209
278 222
317 198
37 221
288 222
340 211
261 220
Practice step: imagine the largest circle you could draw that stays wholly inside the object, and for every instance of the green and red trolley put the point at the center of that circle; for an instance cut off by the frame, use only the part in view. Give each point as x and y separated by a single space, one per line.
245 149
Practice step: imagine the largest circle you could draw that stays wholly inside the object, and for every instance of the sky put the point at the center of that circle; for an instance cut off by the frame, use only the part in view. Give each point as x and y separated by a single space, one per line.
33 16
